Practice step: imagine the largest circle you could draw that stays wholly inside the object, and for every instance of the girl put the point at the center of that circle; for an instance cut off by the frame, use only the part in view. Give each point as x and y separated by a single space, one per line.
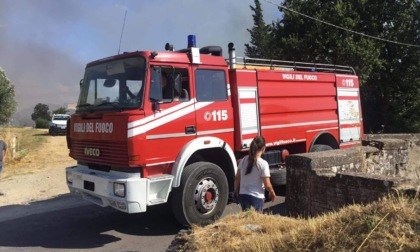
253 177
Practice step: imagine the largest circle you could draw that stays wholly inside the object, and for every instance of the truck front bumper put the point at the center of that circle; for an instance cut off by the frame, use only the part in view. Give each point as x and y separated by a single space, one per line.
126 192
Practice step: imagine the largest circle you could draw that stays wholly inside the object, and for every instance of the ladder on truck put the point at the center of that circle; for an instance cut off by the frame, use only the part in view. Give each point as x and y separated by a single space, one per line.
270 64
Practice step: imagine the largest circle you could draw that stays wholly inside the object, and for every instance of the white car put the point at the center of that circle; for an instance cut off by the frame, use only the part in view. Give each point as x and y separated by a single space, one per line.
58 124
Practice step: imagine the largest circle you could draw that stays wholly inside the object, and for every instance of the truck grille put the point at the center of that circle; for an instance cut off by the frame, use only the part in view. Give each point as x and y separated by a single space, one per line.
103 152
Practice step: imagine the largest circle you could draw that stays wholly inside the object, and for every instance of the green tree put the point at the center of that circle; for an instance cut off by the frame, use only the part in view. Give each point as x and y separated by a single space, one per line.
260 41
41 123
388 71
7 98
60 110
41 115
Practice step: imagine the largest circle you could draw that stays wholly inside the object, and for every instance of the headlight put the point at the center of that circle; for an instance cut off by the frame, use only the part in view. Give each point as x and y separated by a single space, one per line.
53 125
119 189
69 177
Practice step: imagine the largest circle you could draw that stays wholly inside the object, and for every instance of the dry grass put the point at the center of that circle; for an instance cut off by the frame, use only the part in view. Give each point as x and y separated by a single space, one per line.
391 224
26 139
34 151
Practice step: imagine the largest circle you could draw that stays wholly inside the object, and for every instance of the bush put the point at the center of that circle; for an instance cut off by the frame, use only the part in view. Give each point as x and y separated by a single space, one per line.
41 123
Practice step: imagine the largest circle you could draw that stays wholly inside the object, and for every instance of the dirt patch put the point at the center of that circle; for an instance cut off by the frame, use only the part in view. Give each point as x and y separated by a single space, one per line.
39 175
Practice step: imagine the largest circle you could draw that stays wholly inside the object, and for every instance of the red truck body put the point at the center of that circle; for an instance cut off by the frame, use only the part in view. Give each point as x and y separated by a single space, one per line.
133 153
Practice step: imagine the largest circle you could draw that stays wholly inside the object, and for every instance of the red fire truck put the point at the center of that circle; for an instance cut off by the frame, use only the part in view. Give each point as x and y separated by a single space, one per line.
169 127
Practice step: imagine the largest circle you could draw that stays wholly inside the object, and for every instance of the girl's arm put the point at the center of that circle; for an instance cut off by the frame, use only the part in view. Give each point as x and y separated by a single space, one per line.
269 188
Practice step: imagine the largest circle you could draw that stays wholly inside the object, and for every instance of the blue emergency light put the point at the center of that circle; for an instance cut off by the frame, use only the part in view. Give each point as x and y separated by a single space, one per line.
191 41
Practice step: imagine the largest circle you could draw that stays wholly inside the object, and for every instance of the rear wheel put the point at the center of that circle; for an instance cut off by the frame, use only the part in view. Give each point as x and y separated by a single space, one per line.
278 177
202 195
321 147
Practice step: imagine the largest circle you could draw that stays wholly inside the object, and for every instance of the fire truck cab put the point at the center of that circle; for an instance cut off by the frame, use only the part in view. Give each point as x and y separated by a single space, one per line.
168 127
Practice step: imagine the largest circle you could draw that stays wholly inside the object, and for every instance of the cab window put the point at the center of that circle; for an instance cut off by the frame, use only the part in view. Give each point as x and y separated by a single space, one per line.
210 85
169 84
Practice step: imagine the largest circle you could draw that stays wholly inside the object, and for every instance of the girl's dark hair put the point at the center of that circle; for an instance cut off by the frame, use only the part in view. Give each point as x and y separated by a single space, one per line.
257 144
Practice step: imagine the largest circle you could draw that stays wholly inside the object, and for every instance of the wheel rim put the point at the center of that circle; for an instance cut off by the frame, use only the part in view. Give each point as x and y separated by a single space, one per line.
206 195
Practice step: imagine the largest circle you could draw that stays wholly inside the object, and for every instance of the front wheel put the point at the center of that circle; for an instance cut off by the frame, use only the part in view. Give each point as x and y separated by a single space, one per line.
202 195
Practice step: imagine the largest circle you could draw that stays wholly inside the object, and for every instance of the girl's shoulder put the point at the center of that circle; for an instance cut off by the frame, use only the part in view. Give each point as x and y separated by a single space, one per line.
262 162
244 161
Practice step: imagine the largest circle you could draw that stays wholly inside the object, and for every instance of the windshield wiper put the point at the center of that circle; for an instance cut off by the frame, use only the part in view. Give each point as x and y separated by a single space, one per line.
113 104
88 106
84 105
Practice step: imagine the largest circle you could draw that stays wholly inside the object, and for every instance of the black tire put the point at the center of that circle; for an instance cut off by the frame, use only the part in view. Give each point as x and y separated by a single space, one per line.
278 177
199 181
321 147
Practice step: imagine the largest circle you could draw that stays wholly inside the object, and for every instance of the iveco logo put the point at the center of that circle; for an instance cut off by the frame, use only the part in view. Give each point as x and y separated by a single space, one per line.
93 152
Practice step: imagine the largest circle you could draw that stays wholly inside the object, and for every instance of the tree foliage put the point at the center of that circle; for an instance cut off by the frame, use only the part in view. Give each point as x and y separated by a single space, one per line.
7 98
41 123
260 42
41 111
388 71
60 110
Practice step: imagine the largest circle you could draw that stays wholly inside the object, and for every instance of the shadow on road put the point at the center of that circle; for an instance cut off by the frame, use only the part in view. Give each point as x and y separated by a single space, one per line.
47 225
41 134
83 227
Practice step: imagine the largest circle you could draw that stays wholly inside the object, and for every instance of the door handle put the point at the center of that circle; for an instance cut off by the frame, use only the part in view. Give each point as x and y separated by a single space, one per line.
190 130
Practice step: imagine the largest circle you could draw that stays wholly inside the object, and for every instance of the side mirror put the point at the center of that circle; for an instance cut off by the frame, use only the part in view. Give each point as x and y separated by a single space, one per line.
81 82
156 106
155 92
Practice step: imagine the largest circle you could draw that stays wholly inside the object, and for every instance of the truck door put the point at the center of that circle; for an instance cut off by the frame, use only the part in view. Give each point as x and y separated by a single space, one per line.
214 112
170 114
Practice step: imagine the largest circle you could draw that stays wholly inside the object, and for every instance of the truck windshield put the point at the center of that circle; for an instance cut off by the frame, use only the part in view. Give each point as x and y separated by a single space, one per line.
117 84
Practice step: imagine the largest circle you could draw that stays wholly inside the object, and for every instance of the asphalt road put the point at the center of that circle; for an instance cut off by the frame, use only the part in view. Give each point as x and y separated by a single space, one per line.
51 225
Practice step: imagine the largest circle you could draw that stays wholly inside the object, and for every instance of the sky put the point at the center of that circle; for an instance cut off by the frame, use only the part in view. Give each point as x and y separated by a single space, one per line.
46 44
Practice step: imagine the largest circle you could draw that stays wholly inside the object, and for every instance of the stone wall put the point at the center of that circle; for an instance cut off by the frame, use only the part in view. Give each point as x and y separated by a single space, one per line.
407 158
324 181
